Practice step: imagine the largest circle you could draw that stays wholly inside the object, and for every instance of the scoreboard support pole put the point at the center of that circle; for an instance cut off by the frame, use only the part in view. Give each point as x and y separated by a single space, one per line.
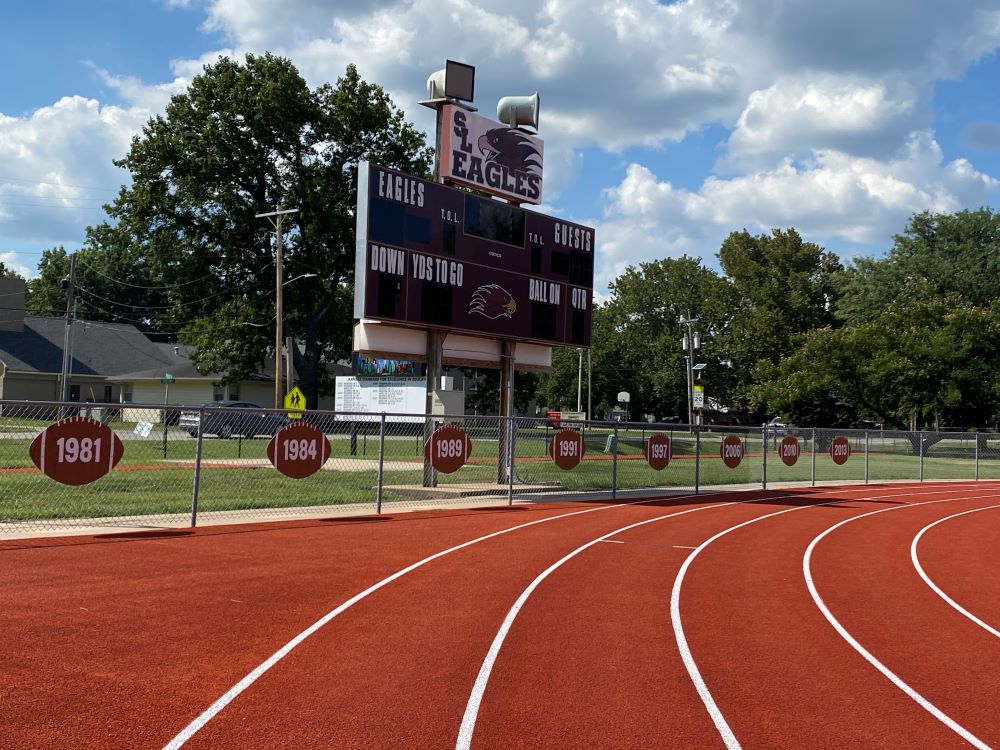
434 372
507 431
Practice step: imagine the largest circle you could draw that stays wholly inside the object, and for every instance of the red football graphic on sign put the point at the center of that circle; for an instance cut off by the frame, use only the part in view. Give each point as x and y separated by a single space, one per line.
658 451
76 450
840 450
566 449
448 448
298 450
789 450
732 451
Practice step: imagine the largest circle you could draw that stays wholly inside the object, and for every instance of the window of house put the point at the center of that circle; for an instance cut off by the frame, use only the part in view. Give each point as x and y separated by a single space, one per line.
218 393
234 391
127 393
107 394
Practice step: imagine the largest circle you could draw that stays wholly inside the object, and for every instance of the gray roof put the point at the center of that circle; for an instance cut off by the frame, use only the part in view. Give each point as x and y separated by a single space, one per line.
100 349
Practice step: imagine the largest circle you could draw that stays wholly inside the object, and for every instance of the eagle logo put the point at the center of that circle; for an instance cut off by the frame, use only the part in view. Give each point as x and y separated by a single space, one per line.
511 149
492 301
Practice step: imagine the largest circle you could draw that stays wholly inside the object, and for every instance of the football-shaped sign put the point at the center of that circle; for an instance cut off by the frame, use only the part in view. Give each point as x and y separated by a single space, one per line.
658 451
566 449
789 450
76 450
448 448
298 450
732 451
840 450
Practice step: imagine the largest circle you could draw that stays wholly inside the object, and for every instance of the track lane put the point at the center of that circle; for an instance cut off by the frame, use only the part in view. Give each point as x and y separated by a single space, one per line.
395 669
962 552
945 658
114 639
545 692
779 674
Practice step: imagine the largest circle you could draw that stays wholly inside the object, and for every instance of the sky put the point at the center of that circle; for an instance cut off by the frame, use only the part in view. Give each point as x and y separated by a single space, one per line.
666 125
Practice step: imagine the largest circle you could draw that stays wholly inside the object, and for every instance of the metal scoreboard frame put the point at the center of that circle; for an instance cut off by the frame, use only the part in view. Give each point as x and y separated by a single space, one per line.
430 256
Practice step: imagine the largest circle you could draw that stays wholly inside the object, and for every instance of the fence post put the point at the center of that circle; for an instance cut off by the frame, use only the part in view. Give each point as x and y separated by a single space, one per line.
197 470
814 458
866 456
511 427
697 459
921 455
614 464
381 464
763 460
977 455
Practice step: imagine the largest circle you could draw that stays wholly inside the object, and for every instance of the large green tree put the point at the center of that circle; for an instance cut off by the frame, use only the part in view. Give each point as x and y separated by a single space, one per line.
182 246
914 364
778 287
936 255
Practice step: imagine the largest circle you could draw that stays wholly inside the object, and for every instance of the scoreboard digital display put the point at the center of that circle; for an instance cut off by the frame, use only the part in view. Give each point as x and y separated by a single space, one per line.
433 256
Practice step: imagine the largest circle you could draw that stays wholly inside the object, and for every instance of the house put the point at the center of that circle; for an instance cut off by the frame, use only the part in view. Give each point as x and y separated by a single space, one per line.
112 363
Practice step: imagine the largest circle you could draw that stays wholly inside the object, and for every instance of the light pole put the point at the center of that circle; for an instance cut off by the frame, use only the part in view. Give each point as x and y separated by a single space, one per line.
278 301
579 380
690 342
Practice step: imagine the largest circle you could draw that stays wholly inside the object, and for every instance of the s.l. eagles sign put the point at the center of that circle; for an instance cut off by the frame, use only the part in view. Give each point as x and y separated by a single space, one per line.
491 157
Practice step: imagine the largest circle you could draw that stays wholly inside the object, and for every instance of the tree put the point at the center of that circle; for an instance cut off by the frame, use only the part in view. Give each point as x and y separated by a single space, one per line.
910 366
637 339
936 255
246 139
778 287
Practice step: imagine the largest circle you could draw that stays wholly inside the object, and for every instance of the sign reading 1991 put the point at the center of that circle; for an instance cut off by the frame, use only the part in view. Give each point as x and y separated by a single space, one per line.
430 255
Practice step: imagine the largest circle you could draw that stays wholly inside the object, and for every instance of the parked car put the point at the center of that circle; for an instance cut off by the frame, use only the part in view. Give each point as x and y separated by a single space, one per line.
228 418
778 426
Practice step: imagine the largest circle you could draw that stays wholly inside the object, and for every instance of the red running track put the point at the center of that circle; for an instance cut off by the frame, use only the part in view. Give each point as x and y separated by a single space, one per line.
760 620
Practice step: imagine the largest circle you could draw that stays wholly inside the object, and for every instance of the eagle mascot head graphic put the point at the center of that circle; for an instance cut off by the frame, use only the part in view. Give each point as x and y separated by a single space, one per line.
492 301
511 149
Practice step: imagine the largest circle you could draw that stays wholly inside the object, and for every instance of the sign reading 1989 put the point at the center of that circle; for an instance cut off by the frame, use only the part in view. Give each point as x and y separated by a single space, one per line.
434 256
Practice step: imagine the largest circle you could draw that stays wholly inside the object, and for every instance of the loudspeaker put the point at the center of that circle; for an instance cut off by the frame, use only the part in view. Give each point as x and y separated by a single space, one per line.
519 110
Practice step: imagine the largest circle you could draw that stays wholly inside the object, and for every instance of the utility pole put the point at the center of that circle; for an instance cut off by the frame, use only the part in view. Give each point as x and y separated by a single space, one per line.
690 342
277 216
69 284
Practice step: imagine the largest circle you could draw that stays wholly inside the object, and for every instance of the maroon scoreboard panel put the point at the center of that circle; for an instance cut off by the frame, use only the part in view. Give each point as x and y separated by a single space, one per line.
433 256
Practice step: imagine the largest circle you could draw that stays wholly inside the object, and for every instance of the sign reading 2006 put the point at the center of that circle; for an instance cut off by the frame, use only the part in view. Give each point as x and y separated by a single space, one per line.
433 256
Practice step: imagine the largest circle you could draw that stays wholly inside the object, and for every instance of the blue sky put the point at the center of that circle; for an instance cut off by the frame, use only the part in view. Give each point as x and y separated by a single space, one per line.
666 126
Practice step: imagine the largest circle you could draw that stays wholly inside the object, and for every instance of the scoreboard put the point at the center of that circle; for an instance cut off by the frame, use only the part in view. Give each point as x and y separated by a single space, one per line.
433 256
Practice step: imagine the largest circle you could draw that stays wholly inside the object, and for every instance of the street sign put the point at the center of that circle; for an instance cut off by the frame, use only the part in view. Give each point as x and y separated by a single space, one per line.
658 451
448 448
731 451
298 450
840 450
566 449
76 451
789 450
168 379
698 397
295 399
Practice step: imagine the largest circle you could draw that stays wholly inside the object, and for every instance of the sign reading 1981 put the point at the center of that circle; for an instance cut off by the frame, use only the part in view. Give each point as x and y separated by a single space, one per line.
434 256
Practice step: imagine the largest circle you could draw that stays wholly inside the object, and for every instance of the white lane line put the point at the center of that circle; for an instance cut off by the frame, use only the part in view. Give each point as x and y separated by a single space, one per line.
683 546
867 655
611 541
937 589
721 725
468 725
209 713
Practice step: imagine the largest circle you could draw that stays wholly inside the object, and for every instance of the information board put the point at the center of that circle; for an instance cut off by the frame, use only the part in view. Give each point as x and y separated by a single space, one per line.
372 396
433 256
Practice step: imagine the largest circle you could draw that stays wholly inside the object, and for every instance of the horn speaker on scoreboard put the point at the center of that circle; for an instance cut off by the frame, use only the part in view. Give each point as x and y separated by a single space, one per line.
455 81
519 110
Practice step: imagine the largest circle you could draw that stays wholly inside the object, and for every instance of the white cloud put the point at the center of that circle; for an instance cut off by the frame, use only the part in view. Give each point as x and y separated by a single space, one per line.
834 200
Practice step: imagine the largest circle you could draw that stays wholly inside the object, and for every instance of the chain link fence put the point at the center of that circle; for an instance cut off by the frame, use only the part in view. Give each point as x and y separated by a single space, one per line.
179 466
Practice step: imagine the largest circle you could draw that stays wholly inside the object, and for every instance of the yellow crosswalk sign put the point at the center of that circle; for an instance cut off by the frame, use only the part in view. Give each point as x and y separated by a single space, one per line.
295 399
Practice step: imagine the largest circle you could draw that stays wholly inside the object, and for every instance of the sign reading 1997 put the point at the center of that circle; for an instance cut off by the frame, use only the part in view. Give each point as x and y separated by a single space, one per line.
433 256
